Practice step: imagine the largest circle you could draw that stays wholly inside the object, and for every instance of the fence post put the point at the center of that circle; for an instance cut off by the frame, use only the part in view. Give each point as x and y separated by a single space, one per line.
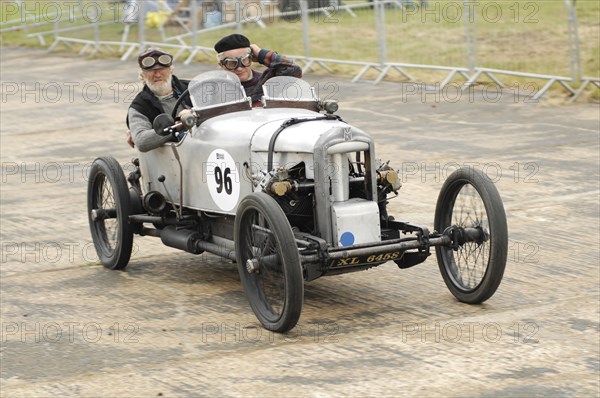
142 23
97 32
573 34
238 19
194 17
470 35
380 28
304 15
55 28
23 19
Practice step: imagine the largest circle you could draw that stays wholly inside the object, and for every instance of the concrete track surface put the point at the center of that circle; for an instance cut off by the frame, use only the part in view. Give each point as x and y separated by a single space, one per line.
174 324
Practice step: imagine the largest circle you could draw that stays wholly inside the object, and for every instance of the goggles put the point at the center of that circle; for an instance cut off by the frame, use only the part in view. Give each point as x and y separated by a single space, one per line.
232 63
164 60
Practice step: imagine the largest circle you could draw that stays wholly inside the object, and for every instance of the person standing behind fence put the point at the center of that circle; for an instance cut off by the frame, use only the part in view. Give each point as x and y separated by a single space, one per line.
159 95
235 54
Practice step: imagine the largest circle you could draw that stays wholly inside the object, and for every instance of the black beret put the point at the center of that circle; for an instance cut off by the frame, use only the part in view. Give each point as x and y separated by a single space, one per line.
232 42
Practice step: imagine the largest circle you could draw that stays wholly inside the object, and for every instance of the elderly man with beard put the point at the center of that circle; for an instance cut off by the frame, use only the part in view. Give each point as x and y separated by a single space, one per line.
159 95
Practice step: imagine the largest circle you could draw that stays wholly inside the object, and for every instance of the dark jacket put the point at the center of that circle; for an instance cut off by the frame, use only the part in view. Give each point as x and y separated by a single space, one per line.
277 65
148 104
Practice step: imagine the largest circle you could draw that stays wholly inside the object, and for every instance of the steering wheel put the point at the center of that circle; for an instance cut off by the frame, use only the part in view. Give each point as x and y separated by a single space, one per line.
183 95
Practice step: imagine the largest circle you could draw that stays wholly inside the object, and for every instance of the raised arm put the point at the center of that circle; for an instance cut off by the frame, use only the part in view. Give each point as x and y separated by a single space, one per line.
279 64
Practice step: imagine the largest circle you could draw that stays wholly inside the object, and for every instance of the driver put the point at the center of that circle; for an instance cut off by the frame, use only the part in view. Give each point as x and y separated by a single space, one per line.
236 54
159 95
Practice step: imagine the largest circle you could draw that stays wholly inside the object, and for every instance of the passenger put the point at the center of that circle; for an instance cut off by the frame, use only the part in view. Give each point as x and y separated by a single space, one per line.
159 95
235 54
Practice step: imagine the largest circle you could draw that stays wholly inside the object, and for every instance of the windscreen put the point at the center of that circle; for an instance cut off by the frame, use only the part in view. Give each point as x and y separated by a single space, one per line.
216 88
288 88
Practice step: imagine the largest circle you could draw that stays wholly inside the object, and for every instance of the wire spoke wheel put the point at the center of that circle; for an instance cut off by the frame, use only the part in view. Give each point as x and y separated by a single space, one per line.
268 262
108 213
469 202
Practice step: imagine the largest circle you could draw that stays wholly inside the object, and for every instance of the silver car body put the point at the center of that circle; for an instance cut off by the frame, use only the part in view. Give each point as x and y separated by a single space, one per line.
221 161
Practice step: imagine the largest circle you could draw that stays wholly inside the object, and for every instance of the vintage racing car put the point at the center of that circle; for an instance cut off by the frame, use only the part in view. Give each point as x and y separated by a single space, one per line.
290 192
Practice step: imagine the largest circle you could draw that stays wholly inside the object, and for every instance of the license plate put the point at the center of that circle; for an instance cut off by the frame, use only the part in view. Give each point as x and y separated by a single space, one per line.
353 261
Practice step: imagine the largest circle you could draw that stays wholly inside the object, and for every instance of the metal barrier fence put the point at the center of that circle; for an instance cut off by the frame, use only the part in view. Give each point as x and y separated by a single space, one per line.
463 42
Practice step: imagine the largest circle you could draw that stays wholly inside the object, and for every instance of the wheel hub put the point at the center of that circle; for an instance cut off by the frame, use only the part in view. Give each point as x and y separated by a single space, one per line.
460 235
102 214
252 266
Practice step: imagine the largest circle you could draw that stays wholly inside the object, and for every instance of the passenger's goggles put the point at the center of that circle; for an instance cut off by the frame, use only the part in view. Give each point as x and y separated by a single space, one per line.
164 60
231 63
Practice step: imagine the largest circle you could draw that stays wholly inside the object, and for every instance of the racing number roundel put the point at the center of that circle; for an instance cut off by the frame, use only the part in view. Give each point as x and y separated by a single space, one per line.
223 179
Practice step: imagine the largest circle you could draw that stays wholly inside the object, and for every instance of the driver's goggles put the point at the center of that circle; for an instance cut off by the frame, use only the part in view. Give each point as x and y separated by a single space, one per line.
164 60
231 63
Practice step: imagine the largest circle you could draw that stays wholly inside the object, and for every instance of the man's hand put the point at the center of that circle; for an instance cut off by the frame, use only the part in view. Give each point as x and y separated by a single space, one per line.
129 139
184 116
255 50
184 112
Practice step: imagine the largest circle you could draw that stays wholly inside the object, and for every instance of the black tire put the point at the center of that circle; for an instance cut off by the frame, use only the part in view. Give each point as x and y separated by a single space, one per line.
109 208
263 237
469 199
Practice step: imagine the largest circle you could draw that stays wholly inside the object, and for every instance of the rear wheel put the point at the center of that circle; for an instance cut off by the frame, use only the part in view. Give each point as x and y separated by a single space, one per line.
109 208
473 269
268 262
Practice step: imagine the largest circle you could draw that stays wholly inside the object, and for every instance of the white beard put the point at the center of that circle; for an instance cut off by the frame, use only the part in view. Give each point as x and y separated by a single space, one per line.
160 89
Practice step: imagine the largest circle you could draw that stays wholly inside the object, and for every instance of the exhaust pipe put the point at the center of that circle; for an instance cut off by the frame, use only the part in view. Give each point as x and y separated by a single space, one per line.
154 202
182 239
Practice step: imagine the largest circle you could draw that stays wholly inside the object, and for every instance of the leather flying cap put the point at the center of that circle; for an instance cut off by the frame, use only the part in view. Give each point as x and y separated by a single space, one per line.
232 42
154 58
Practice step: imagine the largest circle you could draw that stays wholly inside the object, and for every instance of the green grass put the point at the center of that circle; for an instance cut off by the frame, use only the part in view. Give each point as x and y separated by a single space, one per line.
528 36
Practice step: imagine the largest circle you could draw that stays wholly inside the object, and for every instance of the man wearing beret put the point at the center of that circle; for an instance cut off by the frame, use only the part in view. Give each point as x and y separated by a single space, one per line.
159 95
236 54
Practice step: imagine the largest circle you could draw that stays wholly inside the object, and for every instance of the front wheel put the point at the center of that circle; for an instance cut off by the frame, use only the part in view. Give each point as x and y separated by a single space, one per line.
109 208
268 262
473 269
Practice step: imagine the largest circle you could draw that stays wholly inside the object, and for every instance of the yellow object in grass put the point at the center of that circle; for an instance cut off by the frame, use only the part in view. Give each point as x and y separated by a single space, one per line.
155 19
